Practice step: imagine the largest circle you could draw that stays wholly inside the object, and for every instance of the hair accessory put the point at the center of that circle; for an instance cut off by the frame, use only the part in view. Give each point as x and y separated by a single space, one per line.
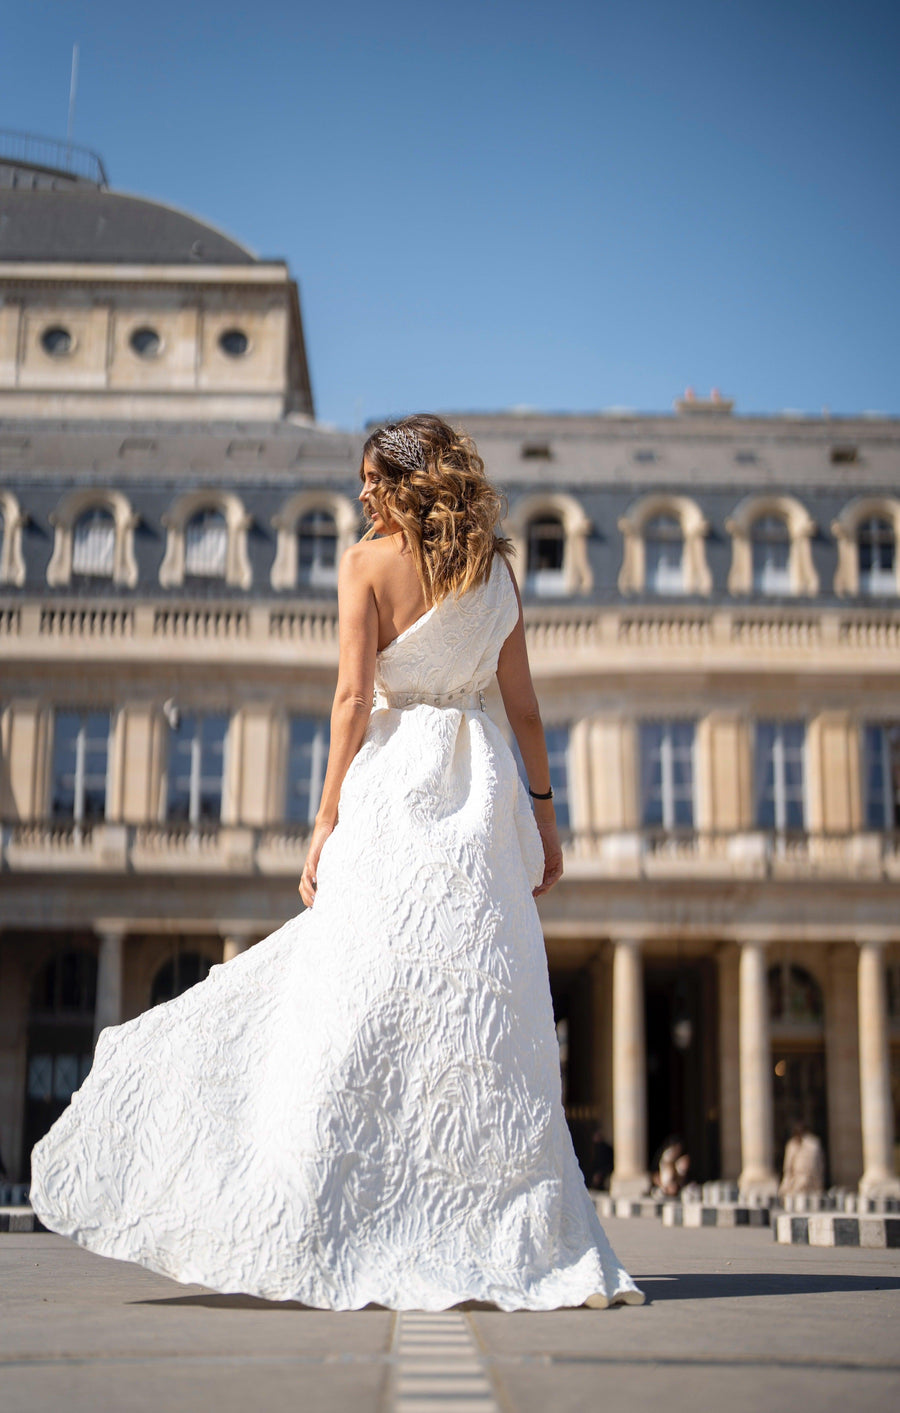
535 796
404 448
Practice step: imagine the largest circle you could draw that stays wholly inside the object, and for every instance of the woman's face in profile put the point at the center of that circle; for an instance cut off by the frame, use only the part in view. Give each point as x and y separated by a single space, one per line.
370 483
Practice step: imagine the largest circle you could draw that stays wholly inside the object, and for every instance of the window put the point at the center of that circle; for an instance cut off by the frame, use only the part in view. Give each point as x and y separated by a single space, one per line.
664 555
94 544
146 342
80 763
317 549
206 545
866 532
558 759
308 742
795 997
196 768
546 555
234 342
93 537
877 572
667 774
67 985
57 341
549 532
314 528
664 547
175 977
881 743
771 548
779 775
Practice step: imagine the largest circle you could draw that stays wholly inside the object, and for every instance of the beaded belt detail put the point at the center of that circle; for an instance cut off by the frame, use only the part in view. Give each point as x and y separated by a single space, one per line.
464 698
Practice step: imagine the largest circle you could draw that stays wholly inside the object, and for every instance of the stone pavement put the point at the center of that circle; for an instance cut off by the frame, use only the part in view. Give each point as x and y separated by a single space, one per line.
733 1322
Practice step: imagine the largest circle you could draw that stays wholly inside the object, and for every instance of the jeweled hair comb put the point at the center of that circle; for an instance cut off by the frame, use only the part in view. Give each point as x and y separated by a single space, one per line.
404 448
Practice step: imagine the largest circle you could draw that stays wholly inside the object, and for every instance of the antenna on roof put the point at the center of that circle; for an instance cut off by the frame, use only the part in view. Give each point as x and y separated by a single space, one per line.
73 84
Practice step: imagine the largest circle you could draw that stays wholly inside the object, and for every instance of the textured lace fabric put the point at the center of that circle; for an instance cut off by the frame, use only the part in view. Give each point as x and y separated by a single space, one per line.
365 1106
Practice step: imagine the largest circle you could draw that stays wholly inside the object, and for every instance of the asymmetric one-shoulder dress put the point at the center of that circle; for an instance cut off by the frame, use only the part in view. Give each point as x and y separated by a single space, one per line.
365 1106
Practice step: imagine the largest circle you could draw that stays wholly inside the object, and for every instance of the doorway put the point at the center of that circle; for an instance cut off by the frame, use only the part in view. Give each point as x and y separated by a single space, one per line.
682 1062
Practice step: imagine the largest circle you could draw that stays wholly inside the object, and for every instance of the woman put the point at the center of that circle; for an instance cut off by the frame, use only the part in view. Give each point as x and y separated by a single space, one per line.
365 1107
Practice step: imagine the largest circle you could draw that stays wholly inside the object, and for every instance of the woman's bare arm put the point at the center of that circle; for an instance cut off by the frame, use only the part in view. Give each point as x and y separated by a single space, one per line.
358 631
521 705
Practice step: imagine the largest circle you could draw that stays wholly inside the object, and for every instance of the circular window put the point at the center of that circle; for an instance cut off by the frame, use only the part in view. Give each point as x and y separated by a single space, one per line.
234 342
57 340
146 342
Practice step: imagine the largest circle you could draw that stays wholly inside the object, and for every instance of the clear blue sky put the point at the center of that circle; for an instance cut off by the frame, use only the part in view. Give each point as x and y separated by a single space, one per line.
487 203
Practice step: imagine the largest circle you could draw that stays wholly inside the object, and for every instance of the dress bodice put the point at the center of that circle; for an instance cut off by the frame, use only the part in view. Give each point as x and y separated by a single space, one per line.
454 645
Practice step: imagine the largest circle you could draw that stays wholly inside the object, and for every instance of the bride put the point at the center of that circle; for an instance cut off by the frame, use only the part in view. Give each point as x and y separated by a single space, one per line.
365 1106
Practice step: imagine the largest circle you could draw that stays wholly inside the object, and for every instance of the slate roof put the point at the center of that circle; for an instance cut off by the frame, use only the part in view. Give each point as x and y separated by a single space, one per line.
88 225
265 463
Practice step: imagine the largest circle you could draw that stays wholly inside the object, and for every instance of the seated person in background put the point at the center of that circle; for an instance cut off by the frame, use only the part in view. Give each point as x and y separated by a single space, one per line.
804 1163
672 1167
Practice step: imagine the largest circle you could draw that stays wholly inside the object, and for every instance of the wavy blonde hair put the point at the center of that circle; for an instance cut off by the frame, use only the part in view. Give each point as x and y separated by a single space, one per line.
447 508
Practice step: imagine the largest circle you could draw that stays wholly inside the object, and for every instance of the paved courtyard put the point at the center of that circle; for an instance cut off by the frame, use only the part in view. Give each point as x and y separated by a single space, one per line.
733 1322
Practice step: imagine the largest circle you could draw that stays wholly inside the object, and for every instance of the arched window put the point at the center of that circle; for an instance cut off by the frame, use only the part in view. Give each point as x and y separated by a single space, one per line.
178 974
545 555
771 549
664 547
866 532
770 541
206 539
549 532
94 538
317 549
94 544
664 555
314 528
206 545
795 998
877 551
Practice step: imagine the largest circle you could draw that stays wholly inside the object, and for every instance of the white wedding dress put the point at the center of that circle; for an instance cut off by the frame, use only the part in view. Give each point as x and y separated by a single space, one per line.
365 1106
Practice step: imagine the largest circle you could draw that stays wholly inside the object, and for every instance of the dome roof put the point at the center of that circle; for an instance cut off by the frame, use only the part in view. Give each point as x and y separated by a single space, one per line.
86 224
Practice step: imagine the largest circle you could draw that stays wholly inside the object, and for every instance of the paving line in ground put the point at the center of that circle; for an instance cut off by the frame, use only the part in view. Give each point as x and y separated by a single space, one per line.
438 1366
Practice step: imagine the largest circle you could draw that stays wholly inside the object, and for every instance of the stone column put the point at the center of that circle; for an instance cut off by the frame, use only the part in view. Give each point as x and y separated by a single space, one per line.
235 943
757 1174
630 1178
879 1178
108 1010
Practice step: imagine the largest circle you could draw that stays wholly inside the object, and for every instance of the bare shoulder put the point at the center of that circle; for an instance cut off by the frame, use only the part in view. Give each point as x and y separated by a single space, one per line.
359 560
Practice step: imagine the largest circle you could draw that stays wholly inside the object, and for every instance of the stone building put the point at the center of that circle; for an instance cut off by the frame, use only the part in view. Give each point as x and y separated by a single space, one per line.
713 613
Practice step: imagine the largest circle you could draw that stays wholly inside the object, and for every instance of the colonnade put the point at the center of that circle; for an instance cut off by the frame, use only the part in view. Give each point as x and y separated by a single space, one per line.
111 968
758 1176
629 1078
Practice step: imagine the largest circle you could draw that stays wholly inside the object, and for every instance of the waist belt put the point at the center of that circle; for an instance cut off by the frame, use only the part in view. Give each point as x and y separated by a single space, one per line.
464 698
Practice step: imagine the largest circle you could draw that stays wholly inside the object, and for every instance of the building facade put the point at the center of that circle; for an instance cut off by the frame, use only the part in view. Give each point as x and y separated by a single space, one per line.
713 615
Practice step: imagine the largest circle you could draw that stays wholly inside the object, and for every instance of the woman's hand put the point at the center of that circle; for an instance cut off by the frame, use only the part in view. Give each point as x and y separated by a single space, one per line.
553 857
307 889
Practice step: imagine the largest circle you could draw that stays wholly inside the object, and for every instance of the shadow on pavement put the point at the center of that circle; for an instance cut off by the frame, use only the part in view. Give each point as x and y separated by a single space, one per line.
706 1286
212 1300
